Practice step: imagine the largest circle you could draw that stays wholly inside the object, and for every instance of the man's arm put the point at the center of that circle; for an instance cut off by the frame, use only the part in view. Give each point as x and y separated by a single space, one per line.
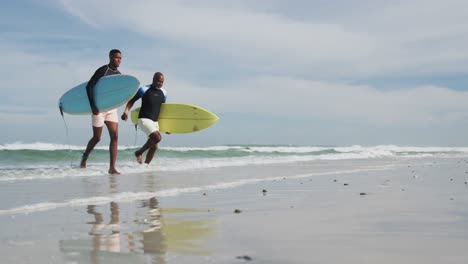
90 86
130 104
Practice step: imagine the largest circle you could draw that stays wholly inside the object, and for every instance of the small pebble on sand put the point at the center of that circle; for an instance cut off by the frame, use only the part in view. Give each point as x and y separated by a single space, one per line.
244 258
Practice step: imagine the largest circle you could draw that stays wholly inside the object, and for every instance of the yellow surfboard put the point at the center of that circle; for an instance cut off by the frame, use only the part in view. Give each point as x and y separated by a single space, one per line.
180 118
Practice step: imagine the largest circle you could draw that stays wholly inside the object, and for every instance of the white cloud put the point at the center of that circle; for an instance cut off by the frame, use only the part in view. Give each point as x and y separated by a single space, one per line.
280 96
394 37
283 97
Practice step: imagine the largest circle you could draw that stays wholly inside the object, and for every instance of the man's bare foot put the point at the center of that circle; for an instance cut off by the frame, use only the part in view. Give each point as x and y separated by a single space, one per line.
113 171
83 161
138 158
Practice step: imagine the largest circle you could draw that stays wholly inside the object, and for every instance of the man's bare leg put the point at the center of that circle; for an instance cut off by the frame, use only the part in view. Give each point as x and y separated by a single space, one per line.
155 137
97 131
150 144
113 128
150 154
142 150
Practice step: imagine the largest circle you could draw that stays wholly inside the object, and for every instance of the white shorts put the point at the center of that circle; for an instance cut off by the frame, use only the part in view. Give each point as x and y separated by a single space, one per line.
148 126
99 119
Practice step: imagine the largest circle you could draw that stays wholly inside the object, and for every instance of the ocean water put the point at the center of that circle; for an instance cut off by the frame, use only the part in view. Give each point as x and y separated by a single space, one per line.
41 161
44 176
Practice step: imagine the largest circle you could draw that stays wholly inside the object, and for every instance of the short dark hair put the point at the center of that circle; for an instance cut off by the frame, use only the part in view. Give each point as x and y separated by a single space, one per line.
114 51
158 74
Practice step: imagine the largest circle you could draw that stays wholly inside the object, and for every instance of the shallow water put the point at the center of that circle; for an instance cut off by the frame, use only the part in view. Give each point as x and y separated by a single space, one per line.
384 209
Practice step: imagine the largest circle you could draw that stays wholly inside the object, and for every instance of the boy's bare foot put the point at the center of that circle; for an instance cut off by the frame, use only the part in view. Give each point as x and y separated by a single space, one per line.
138 158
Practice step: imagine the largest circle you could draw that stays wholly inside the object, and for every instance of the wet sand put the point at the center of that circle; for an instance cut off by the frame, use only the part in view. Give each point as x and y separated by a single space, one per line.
382 211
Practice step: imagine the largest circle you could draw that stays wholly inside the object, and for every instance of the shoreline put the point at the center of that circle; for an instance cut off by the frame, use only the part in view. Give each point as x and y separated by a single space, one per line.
407 212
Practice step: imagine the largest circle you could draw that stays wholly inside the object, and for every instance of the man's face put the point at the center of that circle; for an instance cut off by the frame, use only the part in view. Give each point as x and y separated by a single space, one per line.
115 59
158 81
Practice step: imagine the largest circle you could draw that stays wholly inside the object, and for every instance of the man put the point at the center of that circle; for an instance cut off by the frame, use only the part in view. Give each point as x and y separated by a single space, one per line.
110 118
153 96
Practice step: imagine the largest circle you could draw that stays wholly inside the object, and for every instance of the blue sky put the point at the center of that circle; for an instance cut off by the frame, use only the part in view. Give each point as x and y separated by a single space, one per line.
276 72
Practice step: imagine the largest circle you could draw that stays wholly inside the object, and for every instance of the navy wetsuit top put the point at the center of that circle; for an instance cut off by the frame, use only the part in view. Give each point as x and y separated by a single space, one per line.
101 72
151 101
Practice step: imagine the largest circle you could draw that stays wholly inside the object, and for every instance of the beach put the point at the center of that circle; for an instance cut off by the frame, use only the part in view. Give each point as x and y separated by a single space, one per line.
302 132
238 204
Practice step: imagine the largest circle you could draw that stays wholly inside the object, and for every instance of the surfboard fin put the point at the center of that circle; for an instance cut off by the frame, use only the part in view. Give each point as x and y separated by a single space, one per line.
61 109
64 122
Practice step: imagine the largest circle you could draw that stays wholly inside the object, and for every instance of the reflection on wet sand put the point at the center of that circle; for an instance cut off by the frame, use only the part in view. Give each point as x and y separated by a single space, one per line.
174 234
152 238
181 235
144 235
106 237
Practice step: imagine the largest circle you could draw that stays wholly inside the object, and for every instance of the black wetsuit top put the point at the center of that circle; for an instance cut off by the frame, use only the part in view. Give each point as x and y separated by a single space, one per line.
101 72
151 101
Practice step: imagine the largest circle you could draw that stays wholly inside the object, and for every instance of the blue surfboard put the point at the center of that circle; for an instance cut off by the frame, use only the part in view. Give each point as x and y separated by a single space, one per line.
109 92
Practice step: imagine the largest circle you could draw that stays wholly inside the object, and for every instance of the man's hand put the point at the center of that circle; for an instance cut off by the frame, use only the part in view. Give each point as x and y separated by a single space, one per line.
94 110
124 116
